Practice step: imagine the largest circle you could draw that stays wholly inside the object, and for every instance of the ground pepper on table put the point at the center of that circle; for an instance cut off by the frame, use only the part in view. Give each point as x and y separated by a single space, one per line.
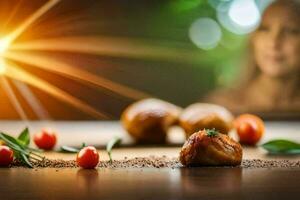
158 162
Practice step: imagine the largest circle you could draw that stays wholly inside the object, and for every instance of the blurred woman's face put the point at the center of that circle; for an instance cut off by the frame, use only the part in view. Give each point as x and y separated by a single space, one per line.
276 43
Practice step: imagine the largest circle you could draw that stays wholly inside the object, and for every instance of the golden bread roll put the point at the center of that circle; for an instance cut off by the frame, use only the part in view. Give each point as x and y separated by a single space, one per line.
148 120
201 116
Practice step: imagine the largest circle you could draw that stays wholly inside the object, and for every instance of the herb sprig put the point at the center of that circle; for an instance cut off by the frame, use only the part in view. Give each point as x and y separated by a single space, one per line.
113 142
68 149
20 146
211 132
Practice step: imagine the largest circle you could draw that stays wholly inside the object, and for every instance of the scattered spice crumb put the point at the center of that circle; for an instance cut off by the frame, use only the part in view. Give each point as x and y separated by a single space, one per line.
156 162
258 163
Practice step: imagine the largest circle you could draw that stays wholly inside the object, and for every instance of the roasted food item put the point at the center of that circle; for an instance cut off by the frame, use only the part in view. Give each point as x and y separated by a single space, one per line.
201 116
210 148
148 120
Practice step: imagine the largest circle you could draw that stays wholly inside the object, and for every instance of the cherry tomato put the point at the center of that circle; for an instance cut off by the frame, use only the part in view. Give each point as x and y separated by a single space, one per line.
88 157
250 128
45 140
6 156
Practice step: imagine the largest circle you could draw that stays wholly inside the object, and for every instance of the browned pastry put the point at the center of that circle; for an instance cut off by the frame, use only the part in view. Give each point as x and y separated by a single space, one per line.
210 148
201 116
148 120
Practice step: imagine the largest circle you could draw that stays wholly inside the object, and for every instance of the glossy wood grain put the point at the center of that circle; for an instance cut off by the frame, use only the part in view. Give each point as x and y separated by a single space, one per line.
194 183
180 183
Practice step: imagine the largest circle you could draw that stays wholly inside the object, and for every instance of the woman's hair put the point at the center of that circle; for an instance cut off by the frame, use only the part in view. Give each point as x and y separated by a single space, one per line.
251 70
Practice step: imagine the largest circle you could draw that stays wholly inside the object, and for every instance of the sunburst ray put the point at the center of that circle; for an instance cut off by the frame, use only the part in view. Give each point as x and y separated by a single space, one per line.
15 72
74 72
32 100
111 46
13 99
31 19
11 15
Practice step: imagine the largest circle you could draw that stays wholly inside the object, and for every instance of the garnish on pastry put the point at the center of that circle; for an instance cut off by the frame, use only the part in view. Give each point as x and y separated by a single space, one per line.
210 148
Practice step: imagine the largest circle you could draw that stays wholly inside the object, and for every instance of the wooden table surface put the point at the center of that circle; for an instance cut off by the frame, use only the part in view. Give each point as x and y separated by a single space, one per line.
181 183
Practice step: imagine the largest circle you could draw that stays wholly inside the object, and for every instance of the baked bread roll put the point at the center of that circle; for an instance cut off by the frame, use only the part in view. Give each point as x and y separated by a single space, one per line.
201 116
148 120
210 148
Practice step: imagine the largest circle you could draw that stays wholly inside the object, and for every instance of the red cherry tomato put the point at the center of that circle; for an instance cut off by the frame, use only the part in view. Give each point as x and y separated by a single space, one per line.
45 140
88 157
250 128
6 156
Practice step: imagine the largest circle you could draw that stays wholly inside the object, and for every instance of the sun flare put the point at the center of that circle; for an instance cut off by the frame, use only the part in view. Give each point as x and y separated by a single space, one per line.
13 55
4 44
2 66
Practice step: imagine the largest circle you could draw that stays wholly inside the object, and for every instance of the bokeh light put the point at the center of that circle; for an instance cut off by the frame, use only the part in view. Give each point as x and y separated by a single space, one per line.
205 33
244 13
240 16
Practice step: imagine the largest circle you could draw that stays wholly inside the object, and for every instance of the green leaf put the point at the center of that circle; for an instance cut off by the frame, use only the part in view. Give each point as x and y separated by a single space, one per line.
282 146
67 149
24 137
16 144
211 132
11 141
25 160
113 142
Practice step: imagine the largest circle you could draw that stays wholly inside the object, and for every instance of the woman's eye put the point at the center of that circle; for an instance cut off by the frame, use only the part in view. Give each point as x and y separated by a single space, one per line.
263 28
293 31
